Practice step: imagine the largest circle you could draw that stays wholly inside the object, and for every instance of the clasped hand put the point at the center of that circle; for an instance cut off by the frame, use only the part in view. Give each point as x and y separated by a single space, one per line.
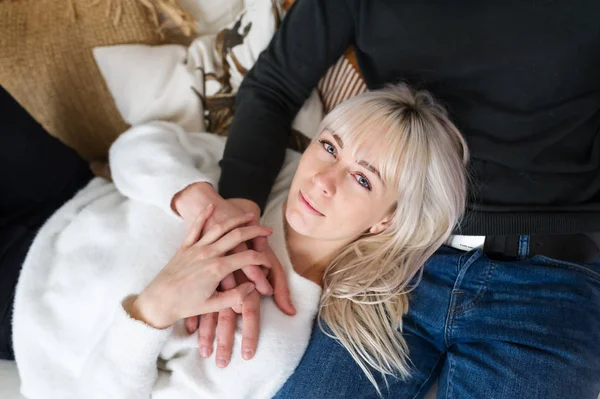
187 285
188 203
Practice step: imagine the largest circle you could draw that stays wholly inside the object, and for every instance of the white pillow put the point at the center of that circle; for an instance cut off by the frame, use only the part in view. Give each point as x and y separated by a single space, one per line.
168 82
310 116
152 83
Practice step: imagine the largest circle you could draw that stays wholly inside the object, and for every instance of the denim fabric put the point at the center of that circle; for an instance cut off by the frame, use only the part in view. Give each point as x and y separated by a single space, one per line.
528 328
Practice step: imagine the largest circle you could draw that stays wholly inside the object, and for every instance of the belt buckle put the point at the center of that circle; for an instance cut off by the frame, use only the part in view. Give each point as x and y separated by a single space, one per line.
502 247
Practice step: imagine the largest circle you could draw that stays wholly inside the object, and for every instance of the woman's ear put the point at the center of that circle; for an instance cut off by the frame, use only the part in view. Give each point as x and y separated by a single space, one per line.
385 222
382 225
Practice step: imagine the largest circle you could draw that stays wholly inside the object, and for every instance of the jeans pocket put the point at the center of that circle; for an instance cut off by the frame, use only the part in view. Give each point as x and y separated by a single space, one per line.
591 270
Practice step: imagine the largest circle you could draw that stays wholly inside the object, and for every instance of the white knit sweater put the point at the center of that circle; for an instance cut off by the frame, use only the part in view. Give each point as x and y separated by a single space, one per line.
72 337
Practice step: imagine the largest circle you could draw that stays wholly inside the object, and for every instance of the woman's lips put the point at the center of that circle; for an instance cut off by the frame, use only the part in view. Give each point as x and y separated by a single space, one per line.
306 204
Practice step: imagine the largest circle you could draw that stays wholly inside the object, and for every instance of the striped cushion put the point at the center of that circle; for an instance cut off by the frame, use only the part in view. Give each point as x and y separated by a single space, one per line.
341 82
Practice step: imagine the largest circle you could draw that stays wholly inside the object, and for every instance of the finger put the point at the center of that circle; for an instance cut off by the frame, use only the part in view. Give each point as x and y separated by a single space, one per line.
239 278
241 260
226 327
191 324
235 276
250 325
259 244
197 226
238 236
245 261
228 282
227 299
255 274
278 280
206 333
220 229
240 248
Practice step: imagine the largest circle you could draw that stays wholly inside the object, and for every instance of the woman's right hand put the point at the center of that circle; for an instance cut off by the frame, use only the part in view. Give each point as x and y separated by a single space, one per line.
187 285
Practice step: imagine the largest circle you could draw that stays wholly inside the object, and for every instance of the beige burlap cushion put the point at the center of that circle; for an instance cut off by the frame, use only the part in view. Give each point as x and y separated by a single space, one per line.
46 63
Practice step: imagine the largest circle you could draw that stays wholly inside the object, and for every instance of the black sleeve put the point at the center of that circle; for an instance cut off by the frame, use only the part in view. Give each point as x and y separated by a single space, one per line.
313 36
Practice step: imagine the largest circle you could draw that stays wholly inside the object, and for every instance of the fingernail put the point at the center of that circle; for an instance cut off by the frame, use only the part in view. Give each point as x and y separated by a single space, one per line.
204 351
250 288
221 362
249 214
247 354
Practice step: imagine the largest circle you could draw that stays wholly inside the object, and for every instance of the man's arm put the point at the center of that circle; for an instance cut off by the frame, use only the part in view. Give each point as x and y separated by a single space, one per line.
313 36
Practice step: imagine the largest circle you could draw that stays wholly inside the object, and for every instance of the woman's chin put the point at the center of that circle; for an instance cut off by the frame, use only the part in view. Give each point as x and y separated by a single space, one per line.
298 222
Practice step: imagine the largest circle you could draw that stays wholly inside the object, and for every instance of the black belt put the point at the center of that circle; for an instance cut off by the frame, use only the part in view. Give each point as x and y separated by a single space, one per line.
568 247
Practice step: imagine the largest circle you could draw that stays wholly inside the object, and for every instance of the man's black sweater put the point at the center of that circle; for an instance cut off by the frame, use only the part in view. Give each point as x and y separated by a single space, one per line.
520 79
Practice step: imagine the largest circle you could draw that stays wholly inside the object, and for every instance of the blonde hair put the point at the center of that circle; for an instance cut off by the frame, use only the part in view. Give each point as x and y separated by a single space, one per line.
424 157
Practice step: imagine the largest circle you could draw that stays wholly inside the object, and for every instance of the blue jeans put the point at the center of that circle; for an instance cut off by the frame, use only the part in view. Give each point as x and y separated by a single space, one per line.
528 328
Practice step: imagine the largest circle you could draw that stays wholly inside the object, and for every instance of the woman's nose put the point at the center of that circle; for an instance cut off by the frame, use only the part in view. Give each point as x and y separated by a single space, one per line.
325 181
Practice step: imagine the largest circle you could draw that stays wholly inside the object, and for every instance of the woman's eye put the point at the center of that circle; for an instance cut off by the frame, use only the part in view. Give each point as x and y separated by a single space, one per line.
363 181
328 147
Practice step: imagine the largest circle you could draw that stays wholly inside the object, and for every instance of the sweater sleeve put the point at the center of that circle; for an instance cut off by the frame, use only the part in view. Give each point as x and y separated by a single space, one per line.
313 35
152 162
124 362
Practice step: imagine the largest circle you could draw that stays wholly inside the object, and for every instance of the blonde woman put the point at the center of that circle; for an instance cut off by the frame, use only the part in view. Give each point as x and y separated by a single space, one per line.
98 314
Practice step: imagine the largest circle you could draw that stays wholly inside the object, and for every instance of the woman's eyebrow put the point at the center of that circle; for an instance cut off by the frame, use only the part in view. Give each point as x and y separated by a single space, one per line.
370 167
338 139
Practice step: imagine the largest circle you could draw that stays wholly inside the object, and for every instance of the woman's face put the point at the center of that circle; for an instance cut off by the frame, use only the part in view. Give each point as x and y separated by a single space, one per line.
336 197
